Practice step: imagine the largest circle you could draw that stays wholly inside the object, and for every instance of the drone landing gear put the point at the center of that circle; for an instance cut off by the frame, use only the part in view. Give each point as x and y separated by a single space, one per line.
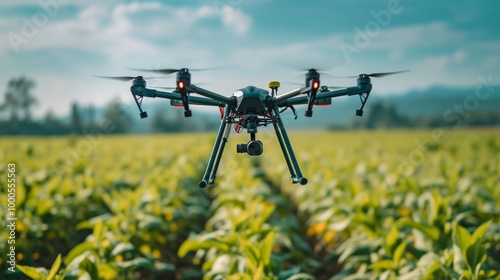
138 101
286 147
362 97
215 156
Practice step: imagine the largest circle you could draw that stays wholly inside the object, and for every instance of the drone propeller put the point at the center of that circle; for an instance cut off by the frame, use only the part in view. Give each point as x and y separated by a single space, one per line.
168 71
322 65
170 88
314 69
126 78
377 75
320 71
322 87
295 83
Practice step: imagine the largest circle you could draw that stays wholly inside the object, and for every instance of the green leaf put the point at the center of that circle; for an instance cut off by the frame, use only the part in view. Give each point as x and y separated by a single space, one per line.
90 223
237 276
164 267
55 268
301 276
111 203
433 271
78 250
267 247
121 248
251 253
463 239
399 252
452 273
300 244
193 245
137 262
481 230
259 274
150 222
262 217
31 272
391 239
106 271
384 265
476 254
429 231
98 232
341 225
90 268
232 218
243 217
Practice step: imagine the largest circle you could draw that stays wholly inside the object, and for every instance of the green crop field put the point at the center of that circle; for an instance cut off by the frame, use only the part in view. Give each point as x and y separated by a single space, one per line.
378 205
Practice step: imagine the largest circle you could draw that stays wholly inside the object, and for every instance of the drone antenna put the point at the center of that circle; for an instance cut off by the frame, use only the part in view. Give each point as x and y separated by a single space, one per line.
274 85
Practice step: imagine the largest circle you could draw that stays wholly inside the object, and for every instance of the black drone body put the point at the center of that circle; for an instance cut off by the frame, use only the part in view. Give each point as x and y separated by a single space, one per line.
249 108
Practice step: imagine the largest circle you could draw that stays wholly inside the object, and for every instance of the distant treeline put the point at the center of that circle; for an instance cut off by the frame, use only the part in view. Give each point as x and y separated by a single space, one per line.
16 116
387 116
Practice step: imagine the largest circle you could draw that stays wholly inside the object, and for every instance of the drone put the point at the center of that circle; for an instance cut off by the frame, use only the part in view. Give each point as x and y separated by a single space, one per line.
249 108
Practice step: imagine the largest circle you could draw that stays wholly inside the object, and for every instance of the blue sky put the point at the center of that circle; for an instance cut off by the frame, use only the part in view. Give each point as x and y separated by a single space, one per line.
61 44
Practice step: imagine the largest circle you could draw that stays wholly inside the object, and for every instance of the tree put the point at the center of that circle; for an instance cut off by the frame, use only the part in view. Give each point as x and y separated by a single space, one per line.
75 123
52 126
116 119
161 123
18 98
383 116
90 116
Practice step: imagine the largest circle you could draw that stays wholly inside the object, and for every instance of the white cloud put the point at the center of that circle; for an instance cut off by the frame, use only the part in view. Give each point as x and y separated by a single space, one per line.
297 54
459 56
427 35
136 7
235 19
118 30
204 12
398 42
429 71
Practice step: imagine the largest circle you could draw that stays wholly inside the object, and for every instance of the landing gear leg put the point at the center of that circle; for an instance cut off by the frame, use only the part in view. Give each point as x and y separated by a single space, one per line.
215 156
287 149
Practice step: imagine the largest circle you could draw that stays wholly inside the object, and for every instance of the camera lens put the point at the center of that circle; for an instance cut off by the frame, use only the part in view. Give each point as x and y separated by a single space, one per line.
255 148
241 148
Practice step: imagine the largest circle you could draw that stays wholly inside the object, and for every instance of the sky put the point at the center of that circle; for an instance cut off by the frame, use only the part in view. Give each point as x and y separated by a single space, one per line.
62 44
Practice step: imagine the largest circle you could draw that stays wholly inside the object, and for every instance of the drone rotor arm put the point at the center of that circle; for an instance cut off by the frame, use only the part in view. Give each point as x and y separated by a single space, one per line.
194 100
360 89
301 100
212 95
283 98
346 91
288 95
